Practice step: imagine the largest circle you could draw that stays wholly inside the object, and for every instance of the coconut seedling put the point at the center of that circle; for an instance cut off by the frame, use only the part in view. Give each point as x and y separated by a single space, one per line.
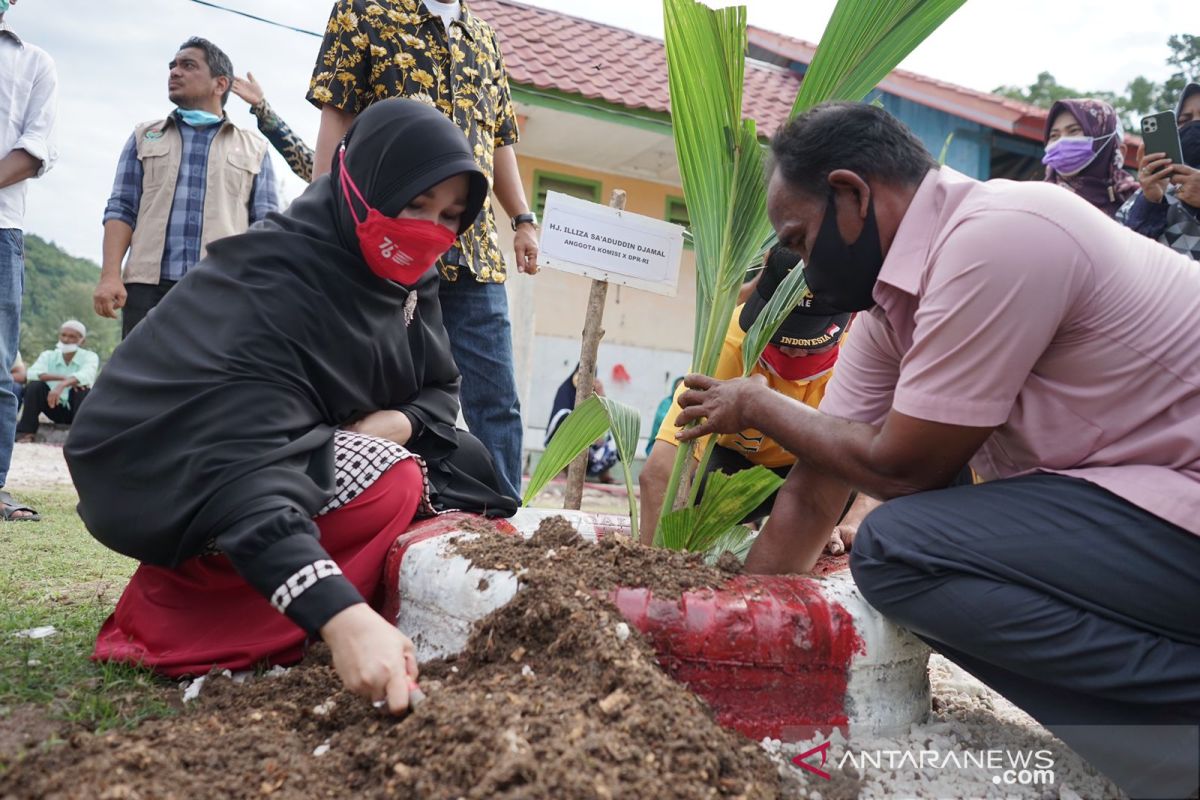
722 165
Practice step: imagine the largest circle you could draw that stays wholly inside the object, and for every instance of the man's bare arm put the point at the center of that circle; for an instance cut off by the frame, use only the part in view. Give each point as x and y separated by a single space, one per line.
18 166
904 456
334 124
511 194
110 294
805 511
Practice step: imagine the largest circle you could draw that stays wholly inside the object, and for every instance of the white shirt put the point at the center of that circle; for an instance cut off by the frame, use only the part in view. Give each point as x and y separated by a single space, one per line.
28 108
447 11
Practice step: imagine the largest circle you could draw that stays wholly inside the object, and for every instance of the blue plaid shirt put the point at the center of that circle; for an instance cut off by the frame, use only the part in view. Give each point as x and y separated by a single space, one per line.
182 247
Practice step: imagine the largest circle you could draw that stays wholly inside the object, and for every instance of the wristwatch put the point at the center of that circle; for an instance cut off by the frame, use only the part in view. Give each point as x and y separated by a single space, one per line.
521 219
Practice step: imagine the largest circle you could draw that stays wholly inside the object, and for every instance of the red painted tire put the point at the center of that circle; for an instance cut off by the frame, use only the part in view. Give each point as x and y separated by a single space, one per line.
767 653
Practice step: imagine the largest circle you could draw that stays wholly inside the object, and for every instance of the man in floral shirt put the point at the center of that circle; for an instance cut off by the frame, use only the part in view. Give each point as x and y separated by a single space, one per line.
442 54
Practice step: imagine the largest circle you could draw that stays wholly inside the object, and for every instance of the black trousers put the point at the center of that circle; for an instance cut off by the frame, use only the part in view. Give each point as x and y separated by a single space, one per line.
140 298
36 393
1076 605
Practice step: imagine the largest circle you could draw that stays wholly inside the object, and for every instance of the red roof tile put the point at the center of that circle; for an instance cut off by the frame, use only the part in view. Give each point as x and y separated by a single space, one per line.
549 50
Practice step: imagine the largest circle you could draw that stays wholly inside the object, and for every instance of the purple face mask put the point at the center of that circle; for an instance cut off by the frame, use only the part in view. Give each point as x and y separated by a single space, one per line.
1070 154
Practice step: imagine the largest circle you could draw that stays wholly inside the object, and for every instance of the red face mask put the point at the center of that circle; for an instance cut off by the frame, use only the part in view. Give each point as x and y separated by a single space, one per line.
798 369
399 250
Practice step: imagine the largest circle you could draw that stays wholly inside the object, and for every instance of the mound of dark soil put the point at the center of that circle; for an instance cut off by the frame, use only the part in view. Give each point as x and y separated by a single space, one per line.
555 697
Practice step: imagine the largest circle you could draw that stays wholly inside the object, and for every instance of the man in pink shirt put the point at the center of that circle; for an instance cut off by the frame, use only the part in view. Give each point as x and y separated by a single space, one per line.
1014 328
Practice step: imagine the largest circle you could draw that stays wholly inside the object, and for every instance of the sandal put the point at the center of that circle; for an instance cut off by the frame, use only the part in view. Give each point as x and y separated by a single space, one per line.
9 507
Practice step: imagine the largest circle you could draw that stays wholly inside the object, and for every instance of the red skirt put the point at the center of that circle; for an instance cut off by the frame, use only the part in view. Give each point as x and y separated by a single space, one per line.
202 614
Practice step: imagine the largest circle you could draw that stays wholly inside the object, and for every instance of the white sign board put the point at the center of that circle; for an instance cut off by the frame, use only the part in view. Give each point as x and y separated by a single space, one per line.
610 245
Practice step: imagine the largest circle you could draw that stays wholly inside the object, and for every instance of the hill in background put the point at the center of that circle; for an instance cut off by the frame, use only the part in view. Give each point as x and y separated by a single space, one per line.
59 287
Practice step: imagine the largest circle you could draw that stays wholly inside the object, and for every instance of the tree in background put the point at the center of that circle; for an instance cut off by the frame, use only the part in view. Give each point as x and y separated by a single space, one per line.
1142 96
59 287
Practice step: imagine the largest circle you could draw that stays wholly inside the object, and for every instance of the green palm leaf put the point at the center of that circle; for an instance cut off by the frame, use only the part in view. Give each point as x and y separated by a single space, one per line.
625 422
674 528
727 500
721 166
720 160
863 42
736 540
584 425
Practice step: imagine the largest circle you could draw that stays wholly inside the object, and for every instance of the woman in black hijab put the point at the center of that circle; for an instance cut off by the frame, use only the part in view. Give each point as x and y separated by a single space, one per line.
300 370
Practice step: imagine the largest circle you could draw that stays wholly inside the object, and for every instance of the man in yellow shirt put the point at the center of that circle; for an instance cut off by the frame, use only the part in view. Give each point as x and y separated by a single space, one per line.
797 363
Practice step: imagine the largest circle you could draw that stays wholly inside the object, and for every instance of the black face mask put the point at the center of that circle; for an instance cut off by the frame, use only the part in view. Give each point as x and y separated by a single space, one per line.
843 275
1189 140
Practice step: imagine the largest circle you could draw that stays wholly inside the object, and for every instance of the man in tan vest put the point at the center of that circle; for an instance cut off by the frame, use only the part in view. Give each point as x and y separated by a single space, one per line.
181 183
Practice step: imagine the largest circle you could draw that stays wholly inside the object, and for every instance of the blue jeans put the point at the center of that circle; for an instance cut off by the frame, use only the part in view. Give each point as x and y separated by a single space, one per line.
12 284
476 317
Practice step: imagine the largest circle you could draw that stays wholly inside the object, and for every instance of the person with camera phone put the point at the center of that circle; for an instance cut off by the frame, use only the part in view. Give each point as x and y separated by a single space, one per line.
1167 207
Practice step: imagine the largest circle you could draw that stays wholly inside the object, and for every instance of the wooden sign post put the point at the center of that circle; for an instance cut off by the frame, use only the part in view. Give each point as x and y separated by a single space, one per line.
593 332
607 245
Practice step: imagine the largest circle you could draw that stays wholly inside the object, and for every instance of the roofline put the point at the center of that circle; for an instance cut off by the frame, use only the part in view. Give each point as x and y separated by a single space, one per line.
571 102
555 12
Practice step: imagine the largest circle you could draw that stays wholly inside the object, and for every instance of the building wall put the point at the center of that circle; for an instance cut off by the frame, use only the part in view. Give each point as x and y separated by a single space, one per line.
631 317
651 373
970 150
648 335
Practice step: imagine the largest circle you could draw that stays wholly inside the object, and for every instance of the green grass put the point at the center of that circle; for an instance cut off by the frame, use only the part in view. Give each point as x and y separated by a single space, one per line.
53 573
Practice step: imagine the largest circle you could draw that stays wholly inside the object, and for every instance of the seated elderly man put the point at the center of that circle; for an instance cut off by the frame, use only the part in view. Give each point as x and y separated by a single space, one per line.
58 381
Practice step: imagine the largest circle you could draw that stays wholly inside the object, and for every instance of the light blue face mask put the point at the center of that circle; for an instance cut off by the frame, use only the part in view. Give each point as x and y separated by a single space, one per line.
4 4
197 118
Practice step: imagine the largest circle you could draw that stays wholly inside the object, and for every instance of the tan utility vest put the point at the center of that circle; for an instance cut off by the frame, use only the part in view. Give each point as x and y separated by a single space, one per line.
234 161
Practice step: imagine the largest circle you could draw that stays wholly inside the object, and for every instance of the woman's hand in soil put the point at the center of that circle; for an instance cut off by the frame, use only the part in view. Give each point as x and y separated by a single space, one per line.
719 406
373 659
386 424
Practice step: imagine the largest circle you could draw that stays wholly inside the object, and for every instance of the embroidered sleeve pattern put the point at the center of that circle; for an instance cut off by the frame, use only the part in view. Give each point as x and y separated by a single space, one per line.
301 581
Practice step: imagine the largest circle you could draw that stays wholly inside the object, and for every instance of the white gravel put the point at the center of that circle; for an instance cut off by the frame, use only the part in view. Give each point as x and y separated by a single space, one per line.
968 746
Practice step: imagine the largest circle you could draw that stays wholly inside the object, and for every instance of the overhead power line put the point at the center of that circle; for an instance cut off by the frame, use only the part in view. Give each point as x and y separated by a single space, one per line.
256 18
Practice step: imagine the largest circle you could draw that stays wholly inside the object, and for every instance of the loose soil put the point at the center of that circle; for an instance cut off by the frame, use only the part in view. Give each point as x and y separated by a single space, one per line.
556 556
555 697
23 727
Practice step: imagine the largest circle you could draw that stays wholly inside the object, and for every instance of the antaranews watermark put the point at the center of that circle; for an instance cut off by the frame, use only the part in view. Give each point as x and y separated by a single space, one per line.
1007 767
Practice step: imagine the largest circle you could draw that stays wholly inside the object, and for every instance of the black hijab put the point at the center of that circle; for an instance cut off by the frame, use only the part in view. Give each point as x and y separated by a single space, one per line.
214 419
395 151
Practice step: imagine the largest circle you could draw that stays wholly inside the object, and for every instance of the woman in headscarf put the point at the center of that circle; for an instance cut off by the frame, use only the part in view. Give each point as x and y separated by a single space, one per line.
1083 153
1167 207
262 438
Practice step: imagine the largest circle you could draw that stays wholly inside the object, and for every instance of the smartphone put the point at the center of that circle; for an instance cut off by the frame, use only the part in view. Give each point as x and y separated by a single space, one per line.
1161 135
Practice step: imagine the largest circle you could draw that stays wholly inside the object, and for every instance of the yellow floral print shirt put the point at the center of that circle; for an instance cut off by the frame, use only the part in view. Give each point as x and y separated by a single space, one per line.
376 49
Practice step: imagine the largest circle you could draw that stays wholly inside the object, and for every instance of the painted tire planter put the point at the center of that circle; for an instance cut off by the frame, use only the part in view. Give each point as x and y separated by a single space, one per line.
774 656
